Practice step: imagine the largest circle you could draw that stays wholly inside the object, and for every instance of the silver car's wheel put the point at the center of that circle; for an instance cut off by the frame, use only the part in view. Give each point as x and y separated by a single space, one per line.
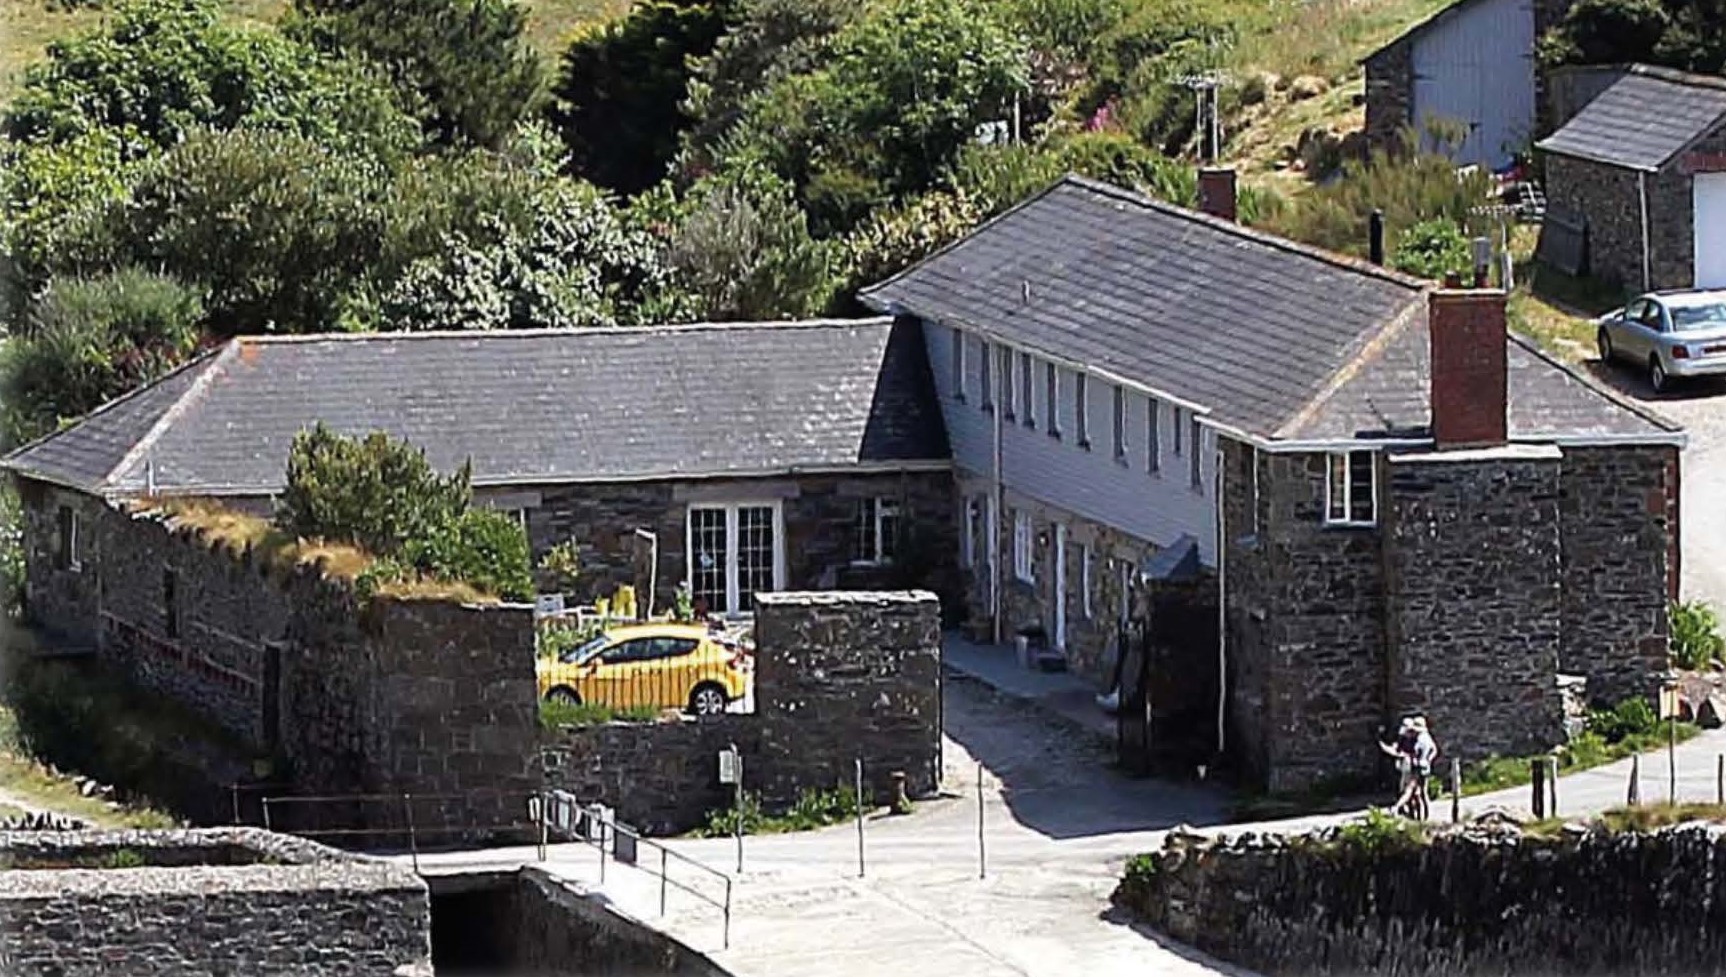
707 700
1657 377
1603 339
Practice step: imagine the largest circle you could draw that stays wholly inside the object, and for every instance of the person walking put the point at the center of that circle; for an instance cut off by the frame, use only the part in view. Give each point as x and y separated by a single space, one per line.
1416 751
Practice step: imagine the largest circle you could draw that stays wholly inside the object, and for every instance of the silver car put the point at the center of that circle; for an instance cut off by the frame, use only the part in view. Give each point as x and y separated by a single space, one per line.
1669 334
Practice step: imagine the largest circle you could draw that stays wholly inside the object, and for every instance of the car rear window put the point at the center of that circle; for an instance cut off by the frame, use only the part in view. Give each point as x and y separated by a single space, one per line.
1693 318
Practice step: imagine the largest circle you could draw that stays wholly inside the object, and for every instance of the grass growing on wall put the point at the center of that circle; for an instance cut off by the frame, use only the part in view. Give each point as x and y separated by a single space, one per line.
555 714
815 808
1611 735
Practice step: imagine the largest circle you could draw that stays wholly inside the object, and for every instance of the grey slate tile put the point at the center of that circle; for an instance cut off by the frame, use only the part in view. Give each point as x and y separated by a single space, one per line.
1643 119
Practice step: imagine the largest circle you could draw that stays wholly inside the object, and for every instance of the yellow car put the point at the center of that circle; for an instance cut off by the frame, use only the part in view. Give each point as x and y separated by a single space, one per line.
652 666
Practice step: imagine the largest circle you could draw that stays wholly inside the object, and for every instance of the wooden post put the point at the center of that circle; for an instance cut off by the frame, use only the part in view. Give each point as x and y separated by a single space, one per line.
1720 779
1537 780
1455 790
1672 759
1633 796
1552 786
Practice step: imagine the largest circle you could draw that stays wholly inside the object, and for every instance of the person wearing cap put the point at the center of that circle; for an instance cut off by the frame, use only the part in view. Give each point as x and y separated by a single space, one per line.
1415 751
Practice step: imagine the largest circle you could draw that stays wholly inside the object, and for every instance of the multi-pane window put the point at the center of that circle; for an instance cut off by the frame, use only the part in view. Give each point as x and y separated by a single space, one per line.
733 554
1081 409
1028 389
1052 397
1120 423
877 530
1153 437
1351 488
1022 543
958 365
987 397
1198 455
1007 388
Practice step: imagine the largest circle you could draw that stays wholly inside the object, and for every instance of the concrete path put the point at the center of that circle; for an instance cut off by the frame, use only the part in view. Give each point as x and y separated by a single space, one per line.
1058 828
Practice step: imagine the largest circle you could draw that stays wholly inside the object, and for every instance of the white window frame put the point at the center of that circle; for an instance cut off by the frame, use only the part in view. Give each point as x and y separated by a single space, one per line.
1339 505
878 510
1197 437
733 599
1052 394
1024 543
1028 389
1082 408
958 365
1120 423
1086 555
70 558
1153 436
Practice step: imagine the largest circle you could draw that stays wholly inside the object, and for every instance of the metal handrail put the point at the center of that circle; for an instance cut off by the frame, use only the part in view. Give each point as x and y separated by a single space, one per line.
723 905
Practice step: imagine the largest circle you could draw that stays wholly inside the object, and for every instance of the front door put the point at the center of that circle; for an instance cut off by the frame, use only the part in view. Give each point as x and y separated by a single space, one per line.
735 551
1060 586
1708 226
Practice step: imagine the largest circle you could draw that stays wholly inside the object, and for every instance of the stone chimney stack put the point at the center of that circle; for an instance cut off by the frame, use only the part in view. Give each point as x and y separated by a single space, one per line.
1217 191
1469 381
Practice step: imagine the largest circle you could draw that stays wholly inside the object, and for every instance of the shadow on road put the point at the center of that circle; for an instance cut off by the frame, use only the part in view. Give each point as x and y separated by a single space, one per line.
1061 782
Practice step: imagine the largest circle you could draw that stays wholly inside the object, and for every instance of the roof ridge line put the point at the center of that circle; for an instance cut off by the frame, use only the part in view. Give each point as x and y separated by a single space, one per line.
1238 229
1677 76
497 334
1592 384
1370 352
106 406
174 412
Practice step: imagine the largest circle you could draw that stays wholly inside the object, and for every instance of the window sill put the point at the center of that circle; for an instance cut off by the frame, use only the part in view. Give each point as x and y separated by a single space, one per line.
1349 525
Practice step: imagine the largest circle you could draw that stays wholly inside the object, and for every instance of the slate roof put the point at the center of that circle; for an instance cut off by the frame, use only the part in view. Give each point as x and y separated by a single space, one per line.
1244 324
1386 396
1263 336
1644 119
525 406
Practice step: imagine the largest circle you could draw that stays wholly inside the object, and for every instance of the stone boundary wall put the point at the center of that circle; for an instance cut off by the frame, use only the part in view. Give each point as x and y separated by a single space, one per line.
839 676
1477 900
196 907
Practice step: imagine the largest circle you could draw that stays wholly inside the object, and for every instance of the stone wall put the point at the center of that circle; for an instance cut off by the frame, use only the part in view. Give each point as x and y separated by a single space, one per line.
660 777
1478 900
1092 626
233 901
1609 198
1389 95
821 528
1307 641
1619 508
1571 87
840 676
62 590
346 696
1474 586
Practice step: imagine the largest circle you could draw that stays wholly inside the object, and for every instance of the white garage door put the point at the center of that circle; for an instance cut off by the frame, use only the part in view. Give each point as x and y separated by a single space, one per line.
1476 66
1709 195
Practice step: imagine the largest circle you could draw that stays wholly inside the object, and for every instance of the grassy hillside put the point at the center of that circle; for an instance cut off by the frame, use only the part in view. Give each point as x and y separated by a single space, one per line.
28 26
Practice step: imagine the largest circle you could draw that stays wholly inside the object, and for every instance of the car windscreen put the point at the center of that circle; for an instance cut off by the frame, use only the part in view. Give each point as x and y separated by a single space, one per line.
1695 318
585 653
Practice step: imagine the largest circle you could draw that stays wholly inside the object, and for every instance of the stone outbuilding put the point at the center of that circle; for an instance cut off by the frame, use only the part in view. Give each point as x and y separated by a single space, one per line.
1471 63
1640 171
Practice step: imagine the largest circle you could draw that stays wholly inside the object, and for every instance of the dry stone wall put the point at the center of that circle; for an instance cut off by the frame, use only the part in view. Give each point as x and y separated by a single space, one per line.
1481 899
191 903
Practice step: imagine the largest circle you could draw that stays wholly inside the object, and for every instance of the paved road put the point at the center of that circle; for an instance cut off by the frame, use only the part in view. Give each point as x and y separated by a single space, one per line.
1058 828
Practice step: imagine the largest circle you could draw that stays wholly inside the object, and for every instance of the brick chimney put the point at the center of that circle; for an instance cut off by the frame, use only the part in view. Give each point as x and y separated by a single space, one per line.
1469 395
1217 191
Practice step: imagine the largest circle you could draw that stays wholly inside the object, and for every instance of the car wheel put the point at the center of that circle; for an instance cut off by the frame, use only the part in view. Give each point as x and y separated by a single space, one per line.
1657 377
1603 339
563 695
707 700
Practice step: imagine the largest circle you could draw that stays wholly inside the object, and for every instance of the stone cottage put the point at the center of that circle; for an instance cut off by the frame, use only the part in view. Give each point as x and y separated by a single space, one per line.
1397 503
739 458
1472 63
1642 169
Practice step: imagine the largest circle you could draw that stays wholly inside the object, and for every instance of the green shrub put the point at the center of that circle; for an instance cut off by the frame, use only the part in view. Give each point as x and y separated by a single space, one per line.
814 808
1630 718
553 714
1141 869
1696 639
482 547
1380 833
1432 249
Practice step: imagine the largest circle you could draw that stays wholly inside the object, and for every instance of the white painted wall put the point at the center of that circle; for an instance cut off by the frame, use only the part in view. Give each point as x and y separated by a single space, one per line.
1091 484
1477 66
1708 192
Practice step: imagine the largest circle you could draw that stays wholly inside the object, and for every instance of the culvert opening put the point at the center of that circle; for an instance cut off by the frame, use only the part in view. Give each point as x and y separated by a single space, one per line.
528 924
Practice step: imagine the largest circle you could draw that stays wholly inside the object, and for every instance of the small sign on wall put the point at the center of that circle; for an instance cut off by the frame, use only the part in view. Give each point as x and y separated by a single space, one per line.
730 767
1669 702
